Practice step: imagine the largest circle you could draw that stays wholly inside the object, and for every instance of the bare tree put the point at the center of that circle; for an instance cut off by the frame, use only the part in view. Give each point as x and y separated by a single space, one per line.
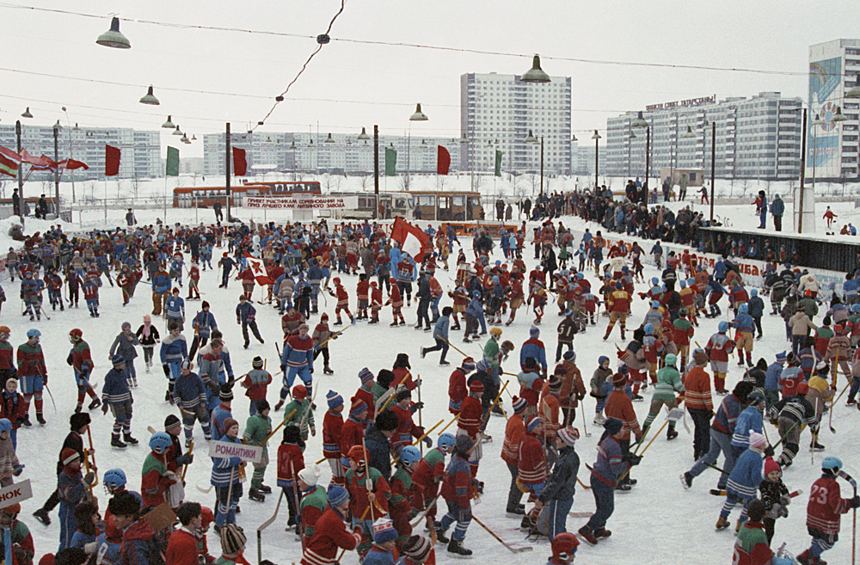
135 185
366 182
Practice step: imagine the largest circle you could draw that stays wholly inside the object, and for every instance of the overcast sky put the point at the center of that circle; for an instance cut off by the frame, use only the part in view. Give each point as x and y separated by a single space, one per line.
352 83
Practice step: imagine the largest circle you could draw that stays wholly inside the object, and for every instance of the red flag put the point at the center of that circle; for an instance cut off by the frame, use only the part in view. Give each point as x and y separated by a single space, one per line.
43 161
112 155
240 165
259 270
71 164
10 154
412 240
443 160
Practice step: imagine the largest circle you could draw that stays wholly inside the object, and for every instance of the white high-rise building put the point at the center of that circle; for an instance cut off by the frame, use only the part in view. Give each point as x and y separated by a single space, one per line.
832 146
497 112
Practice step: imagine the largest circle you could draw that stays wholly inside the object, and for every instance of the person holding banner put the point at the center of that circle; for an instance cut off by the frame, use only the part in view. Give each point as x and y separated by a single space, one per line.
226 480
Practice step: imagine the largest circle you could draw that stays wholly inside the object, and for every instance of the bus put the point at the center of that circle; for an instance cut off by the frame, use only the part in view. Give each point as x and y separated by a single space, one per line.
446 205
206 196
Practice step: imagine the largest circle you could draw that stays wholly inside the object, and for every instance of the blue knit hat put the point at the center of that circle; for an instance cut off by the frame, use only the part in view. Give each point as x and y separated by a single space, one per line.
337 495
383 531
533 422
534 331
334 399
781 356
117 360
358 406
468 364
365 375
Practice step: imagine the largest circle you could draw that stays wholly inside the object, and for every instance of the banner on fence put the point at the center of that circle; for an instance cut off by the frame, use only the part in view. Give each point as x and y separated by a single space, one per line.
311 203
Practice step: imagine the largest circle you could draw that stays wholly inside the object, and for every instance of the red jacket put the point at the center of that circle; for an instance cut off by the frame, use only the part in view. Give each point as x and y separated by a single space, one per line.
826 506
362 289
331 535
181 549
514 432
456 391
470 416
351 434
290 461
332 426
532 461
342 296
366 394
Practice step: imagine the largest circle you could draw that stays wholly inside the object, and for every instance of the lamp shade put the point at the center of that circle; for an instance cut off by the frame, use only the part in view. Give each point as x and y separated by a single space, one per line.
817 121
177 131
113 37
838 117
535 74
418 116
27 113
464 139
639 122
530 138
168 124
596 135
329 139
854 92
689 133
363 135
149 98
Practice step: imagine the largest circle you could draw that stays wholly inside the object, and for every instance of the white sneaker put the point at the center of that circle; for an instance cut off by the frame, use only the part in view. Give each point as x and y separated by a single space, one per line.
599 420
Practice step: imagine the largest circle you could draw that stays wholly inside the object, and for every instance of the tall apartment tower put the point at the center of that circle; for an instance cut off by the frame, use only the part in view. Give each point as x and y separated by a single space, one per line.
832 146
497 112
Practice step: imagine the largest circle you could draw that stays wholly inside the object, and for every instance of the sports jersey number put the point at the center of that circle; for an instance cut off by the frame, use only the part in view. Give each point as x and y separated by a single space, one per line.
818 494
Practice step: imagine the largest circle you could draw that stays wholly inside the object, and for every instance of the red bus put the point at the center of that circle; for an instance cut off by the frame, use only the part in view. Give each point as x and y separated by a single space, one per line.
206 196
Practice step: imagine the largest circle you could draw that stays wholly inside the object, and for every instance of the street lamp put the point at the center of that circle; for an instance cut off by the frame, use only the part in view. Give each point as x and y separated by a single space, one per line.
417 116
113 37
363 135
814 127
26 113
596 138
149 98
640 122
713 160
532 139
168 124
535 74
71 156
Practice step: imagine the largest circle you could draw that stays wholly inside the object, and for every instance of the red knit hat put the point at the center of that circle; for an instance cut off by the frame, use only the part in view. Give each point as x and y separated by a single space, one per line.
770 465
476 386
68 455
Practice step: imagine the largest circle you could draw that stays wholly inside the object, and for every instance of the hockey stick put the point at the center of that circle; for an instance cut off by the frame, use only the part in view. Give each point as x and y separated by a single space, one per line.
835 372
299 525
500 540
284 421
584 426
185 468
52 398
265 525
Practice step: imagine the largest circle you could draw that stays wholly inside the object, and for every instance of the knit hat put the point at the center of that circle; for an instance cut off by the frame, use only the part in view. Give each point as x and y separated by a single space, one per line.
229 423
534 331
619 380
802 387
337 495
468 364
305 327
602 359
383 531
68 455
358 406
464 444
186 365
520 404
172 422
569 356
482 365
334 400
612 426
533 423
757 440
309 475
476 386
257 363
402 394
417 548
300 392
770 465
204 305
700 357
568 435
365 375
117 360
79 420
555 383
671 359
232 539
226 393
781 356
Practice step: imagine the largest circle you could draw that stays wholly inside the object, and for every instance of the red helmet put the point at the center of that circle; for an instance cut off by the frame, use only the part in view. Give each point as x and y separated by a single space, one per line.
356 453
336 280
76 333
564 545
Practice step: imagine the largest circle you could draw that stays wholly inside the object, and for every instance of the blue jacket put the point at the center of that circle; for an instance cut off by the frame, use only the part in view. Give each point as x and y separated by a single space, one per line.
440 330
535 349
748 420
161 283
225 470
377 556
755 307
610 464
727 414
746 475
743 323
245 312
115 390
475 308
204 323
219 416
188 391
173 349
771 377
777 207
174 307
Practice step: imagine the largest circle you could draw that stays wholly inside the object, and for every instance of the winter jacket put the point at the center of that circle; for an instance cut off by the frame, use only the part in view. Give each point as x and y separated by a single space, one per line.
826 506
746 475
225 470
333 534
189 391
562 482
749 420
727 415
124 346
115 390
378 451
140 545
610 464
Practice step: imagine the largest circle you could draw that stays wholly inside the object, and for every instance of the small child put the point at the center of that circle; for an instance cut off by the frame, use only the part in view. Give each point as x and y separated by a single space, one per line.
148 336
342 302
384 540
774 495
362 290
375 302
743 481
332 431
257 429
256 382
232 545
290 462
294 412
321 336
9 464
751 546
87 519
71 490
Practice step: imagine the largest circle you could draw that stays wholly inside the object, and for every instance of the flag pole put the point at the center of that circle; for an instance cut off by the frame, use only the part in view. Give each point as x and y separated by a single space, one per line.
227 169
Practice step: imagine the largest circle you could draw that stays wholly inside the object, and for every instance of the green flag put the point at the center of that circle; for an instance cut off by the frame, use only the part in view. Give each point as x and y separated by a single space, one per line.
498 163
172 162
390 161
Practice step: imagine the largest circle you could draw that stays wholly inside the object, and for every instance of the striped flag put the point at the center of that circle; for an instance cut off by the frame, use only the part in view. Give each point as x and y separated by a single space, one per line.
9 161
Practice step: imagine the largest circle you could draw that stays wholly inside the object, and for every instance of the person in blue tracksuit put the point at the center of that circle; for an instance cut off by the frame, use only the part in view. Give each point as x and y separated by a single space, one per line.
226 264
174 349
749 421
204 324
225 477
174 309
744 480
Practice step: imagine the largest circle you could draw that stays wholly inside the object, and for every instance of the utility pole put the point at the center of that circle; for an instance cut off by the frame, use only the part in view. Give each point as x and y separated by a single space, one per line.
227 168
376 171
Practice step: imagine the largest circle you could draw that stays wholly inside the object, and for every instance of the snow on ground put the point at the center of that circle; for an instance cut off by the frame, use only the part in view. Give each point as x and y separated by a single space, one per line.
658 522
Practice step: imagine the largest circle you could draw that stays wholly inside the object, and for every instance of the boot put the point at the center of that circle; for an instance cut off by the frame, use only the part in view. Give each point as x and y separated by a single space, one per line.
815 446
256 495
95 403
129 440
687 480
456 548
602 534
40 419
722 524
264 489
671 433
586 534
115 442
440 533
327 370
42 516
26 422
